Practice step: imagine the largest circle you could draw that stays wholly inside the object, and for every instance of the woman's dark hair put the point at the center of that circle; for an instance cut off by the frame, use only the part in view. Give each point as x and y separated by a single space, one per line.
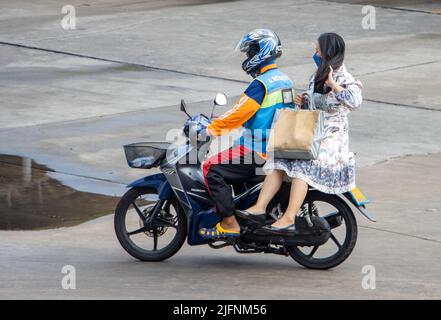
332 48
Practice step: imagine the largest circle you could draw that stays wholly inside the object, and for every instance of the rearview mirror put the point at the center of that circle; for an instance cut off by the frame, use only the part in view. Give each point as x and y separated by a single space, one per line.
183 108
220 99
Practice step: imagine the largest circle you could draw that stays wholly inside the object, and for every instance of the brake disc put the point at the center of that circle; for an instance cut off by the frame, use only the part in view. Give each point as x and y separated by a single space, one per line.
149 233
160 230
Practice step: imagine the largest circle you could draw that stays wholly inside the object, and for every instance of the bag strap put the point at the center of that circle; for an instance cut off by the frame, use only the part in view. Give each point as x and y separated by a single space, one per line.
309 100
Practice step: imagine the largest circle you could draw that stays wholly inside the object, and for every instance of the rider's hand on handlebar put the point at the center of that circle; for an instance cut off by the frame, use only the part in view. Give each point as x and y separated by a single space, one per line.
204 134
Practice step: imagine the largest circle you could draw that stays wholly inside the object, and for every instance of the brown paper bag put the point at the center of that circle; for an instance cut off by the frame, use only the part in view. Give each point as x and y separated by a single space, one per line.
296 134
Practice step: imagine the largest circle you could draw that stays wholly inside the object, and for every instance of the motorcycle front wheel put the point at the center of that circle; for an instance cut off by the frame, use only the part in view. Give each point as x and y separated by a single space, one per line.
144 236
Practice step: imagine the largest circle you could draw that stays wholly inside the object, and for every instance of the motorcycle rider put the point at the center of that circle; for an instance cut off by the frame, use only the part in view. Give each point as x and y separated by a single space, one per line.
270 90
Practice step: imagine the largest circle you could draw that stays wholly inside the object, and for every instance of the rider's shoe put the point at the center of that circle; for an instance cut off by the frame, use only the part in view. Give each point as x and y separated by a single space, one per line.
257 218
218 233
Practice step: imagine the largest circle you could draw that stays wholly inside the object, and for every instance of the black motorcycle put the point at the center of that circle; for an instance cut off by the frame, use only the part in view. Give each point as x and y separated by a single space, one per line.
160 211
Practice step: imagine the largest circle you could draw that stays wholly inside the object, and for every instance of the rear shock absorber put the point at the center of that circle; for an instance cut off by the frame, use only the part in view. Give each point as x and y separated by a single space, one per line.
307 214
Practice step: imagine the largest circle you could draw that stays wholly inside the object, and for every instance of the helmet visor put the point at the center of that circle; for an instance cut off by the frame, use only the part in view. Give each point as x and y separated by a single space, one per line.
243 45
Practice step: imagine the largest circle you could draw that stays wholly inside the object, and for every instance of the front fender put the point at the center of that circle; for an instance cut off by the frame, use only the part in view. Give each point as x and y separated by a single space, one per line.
157 181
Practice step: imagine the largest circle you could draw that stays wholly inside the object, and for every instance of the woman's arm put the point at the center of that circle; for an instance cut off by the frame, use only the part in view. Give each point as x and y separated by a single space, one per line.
321 100
349 95
321 103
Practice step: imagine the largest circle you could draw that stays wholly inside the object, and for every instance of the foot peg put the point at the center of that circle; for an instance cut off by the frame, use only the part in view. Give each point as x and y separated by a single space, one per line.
224 243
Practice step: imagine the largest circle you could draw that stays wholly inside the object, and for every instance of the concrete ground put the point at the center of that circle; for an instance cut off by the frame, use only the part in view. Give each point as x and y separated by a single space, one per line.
71 98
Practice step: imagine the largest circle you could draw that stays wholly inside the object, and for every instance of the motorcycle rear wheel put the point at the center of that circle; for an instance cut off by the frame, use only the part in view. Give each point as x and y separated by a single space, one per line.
344 248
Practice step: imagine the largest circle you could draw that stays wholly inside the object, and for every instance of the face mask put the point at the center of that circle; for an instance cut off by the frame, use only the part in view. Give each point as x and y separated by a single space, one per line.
317 59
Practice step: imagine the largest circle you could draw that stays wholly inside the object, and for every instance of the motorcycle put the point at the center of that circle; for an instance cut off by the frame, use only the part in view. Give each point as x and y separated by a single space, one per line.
160 211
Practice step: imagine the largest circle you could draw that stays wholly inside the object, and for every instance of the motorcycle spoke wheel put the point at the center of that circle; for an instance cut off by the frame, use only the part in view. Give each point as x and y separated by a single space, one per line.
342 239
144 235
148 236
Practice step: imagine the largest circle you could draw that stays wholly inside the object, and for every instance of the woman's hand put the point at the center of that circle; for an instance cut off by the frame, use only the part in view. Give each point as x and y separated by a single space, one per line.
298 100
331 83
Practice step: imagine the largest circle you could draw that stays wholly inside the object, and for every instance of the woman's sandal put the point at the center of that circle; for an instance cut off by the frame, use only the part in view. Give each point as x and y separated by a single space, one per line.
217 233
257 218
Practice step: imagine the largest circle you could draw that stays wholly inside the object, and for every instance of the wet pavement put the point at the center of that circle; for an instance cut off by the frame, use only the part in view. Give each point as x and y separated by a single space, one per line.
30 199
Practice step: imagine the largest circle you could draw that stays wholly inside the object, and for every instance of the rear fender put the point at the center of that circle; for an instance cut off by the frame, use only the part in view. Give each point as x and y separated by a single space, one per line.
156 181
361 207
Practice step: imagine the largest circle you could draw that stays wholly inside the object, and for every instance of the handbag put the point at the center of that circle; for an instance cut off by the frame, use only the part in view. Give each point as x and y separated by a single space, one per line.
297 133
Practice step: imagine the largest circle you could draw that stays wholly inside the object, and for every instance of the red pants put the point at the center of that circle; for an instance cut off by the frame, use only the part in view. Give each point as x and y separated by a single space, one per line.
228 167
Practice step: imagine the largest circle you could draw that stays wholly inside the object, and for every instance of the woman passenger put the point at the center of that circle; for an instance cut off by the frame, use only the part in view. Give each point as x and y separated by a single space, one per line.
336 92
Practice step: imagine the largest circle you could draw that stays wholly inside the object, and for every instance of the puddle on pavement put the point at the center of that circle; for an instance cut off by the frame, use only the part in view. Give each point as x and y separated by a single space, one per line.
31 200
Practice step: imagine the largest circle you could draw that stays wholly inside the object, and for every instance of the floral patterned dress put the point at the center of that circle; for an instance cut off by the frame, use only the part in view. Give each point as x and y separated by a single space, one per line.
334 169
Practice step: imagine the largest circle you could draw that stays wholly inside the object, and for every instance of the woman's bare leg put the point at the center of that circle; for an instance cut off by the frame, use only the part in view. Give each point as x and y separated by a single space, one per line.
271 185
299 189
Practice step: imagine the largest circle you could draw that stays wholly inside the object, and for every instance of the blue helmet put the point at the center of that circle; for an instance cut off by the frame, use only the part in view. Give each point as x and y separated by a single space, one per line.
260 45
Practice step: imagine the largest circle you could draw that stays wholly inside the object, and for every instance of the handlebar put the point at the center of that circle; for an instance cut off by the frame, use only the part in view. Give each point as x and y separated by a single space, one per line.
193 128
196 124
